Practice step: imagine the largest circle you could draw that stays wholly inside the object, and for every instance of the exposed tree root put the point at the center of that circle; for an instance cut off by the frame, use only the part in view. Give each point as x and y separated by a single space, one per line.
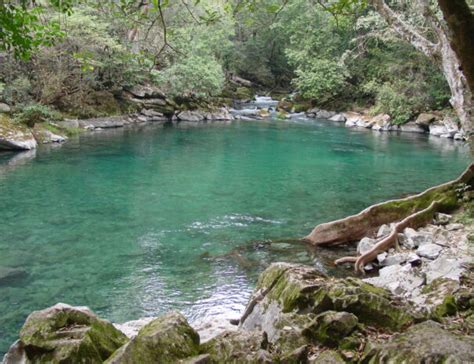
365 223
415 220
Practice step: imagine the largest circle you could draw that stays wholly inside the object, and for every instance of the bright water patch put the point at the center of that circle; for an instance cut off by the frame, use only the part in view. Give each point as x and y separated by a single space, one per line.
135 222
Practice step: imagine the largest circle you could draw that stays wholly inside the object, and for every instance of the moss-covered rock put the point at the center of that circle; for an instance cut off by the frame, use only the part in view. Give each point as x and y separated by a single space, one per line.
65 334
330 327
238 347
284 288
327 357
427 342
167 339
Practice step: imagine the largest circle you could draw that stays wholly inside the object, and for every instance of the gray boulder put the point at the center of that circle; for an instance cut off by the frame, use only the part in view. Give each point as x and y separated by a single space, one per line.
427 342
15 136
338 118
429 251
65 334
102 123
194 116
4 108
365 245
425 119
412 127
166 339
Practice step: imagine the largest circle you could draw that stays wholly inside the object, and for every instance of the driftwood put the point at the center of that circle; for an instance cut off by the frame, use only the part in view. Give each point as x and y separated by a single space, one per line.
413 211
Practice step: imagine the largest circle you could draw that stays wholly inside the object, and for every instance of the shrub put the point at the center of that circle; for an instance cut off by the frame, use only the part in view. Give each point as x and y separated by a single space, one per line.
201 76
36 113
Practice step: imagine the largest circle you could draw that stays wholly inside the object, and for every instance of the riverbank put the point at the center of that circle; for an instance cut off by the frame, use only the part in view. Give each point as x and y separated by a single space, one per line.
152 106
418 307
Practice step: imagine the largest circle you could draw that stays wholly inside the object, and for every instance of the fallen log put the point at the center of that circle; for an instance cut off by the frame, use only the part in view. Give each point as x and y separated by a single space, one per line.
366 222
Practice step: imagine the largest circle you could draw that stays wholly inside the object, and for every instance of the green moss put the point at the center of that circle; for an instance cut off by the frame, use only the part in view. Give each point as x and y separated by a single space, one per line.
447 308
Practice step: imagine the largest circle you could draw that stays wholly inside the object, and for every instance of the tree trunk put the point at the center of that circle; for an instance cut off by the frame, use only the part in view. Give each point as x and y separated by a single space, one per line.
461 96
460 21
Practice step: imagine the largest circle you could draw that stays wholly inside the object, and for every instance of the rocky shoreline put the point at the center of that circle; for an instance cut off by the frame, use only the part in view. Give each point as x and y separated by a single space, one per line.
155 107
418 308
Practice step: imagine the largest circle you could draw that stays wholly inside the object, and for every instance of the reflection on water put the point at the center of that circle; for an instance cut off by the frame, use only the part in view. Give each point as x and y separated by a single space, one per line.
137 221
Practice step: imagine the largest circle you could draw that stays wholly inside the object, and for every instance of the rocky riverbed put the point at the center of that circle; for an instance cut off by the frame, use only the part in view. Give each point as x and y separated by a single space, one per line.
418 308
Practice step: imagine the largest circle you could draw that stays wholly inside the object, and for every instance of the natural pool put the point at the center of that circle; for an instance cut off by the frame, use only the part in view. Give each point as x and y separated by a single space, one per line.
134 222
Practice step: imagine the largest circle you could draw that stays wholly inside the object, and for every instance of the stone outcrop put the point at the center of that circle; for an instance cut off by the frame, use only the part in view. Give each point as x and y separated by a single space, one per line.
427 342
166 339
14 136
65 334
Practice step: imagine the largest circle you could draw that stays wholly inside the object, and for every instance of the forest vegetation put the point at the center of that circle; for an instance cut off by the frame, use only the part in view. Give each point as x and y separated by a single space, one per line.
76 57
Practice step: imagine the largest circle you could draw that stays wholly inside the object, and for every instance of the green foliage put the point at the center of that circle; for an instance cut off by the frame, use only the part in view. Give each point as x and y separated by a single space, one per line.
17 91
321 81
36 113
22 29
199 76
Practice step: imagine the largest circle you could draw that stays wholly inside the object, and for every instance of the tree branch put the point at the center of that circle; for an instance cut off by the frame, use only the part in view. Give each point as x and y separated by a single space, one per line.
405 30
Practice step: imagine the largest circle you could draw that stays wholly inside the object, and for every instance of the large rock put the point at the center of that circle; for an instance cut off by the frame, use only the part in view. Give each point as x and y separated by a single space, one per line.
412 127
15 136
166 339
45 136
285 288
425 119
146 92
221 114
338 117
330 327
427 342
10 275
238 347
102 123
194 116
381 122
4 108
65 334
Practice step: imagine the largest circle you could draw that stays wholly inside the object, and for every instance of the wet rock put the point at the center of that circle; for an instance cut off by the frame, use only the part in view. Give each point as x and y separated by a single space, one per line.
338 118
15 136
166 339
429 251
330 327
365 245
285 288
412 127
427 342
238 347
10 275
65 334
194 116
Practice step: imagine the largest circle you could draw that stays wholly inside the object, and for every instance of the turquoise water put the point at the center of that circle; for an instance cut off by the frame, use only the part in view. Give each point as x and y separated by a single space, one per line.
134 222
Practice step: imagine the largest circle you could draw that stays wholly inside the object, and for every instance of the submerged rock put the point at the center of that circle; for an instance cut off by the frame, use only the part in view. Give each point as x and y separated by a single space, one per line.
427 342
65 334
9 275
166 339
